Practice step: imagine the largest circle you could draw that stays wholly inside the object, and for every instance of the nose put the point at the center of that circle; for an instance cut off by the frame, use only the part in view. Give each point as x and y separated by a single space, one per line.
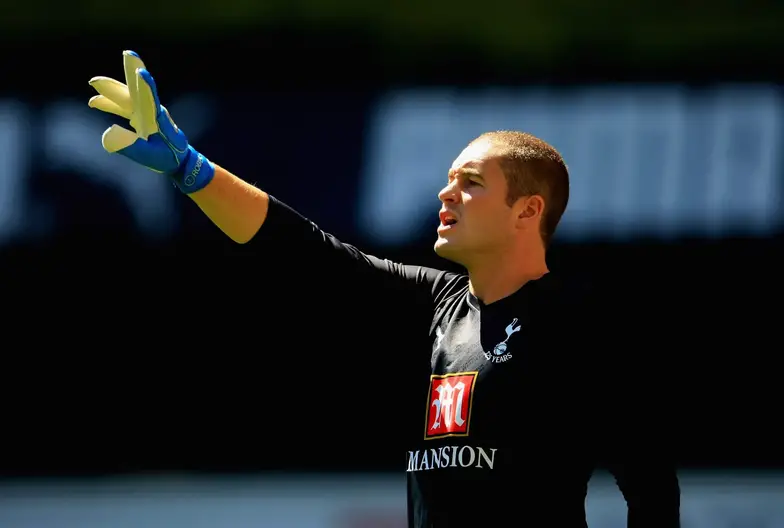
449 194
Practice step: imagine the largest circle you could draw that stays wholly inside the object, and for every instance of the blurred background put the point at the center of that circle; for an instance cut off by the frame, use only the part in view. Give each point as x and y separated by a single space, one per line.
155 374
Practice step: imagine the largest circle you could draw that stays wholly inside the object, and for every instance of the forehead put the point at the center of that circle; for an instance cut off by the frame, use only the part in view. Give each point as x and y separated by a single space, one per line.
476 156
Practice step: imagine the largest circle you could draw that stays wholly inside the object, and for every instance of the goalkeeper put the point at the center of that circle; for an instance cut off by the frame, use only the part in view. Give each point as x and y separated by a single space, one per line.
506 434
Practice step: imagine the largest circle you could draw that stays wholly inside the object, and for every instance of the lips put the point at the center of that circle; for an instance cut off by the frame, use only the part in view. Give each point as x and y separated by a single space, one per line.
447 218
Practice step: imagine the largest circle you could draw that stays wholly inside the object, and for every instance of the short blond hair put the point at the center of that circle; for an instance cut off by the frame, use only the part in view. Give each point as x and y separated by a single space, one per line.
533 167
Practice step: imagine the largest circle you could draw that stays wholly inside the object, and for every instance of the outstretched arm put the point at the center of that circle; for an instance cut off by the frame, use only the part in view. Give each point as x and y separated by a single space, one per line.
238 208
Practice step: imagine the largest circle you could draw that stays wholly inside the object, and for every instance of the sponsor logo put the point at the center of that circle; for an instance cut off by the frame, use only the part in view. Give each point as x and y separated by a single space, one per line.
451 457
449 405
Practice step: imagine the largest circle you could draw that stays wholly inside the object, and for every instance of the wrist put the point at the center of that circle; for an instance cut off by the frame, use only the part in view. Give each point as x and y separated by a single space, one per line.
195 173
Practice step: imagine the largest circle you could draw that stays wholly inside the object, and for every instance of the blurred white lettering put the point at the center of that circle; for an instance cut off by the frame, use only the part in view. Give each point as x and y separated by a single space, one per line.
657 161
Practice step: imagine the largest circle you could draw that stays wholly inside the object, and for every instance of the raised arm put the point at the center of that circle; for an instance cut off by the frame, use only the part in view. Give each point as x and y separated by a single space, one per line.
236 207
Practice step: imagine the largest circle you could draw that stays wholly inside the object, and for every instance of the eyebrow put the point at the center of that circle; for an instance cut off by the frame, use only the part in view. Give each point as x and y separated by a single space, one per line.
466 170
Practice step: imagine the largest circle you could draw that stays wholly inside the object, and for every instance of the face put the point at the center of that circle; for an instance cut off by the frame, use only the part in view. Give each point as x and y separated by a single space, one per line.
475 219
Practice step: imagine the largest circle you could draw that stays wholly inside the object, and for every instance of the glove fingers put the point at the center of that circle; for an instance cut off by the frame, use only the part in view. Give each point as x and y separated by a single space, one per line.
148 105
104 104
116 138
163 120
114 90
131 63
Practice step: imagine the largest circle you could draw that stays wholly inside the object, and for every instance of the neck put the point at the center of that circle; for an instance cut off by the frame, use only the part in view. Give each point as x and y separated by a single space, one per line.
500 277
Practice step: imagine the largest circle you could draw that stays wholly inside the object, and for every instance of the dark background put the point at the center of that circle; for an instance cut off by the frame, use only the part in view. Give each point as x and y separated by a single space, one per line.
137 338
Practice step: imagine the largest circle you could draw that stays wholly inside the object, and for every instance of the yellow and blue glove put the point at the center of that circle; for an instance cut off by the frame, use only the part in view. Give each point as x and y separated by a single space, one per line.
156 142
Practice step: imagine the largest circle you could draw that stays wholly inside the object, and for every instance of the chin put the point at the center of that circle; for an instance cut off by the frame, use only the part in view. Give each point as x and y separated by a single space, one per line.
440 245
444 249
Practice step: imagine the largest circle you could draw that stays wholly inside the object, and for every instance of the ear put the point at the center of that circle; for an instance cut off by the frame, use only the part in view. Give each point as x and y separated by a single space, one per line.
530 208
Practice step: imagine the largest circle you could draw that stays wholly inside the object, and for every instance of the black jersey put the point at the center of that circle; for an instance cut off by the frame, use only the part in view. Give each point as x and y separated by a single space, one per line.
509 406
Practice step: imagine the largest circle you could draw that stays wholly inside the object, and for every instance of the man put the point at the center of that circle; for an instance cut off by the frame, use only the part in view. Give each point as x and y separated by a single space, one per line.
513 422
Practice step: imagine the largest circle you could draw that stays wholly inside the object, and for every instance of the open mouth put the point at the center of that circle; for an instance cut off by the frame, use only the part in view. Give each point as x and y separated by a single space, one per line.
447 219
447 223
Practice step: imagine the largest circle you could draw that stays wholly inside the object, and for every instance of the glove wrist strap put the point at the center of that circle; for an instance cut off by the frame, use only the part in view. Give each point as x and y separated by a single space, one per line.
195 173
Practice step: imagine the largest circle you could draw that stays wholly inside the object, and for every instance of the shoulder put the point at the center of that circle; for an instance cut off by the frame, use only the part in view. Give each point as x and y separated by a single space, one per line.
448 286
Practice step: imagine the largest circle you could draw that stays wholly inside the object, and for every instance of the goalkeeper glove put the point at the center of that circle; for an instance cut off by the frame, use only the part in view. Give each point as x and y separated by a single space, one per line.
156 143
